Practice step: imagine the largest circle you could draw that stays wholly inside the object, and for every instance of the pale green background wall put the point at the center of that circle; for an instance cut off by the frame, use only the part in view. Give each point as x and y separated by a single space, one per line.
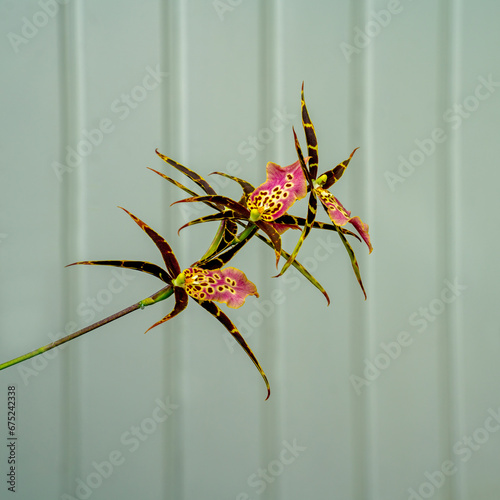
383 75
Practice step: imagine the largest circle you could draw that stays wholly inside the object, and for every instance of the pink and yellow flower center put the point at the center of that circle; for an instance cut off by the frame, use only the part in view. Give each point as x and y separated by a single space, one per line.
228 285
284 186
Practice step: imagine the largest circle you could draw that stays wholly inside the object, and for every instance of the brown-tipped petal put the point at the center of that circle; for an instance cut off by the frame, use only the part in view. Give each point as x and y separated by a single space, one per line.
162 245
189 173
239 209
299 268
221 260
333 175
214 310
311 216
246 186
137 265
350 252
302 161
181 302
273 236
228 214
312 142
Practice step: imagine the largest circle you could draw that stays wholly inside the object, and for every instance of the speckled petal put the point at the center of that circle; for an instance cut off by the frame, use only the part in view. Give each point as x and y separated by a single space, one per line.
281 228
340 216
228 285
284 186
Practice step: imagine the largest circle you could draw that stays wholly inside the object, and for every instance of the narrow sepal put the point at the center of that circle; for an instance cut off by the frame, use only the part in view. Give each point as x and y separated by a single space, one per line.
302 161
312 142
352 256
218 261
239 209
311 215
245 185
181 186
189 173
293 220
221 216
181 302
137 265
302 270
214 310
340 216
273 236
333 175
162 245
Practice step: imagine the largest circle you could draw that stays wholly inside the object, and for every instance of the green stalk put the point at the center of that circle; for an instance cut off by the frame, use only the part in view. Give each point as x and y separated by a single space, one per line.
162 294
245 233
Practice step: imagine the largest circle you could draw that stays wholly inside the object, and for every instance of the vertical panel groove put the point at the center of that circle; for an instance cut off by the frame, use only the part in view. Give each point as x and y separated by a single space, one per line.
267 96
174 125
72 223
453 215
362 407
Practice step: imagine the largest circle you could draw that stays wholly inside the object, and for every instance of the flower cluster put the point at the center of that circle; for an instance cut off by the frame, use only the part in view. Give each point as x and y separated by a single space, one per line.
262 212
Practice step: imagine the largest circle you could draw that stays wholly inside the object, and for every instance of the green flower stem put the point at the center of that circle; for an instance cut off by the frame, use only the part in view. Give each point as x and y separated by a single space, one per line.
162 294
244 235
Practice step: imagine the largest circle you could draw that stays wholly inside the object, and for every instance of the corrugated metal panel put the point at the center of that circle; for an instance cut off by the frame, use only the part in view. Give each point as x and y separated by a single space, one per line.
391 398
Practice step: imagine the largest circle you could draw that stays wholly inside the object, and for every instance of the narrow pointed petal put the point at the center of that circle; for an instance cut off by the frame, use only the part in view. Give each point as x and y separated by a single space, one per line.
223 239
189 173
181 302
332 176
239 209
299 268
340 216
216 262
302 160
350 251
273 236
246 186
312 142
362 229
283 187
221 216
311 215
228 285
181 186
280 227
162 245
220 316
137 265
300 221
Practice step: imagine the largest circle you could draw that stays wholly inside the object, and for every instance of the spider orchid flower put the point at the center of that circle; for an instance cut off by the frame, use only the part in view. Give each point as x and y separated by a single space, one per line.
205 283
227 233
318 187
269 201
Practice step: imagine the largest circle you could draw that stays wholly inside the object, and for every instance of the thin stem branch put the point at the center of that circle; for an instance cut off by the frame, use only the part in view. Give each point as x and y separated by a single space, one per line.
156 297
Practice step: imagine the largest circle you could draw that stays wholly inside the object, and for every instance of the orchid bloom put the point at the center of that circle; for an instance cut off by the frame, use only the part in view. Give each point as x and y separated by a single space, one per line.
319 189
206 283
269 201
